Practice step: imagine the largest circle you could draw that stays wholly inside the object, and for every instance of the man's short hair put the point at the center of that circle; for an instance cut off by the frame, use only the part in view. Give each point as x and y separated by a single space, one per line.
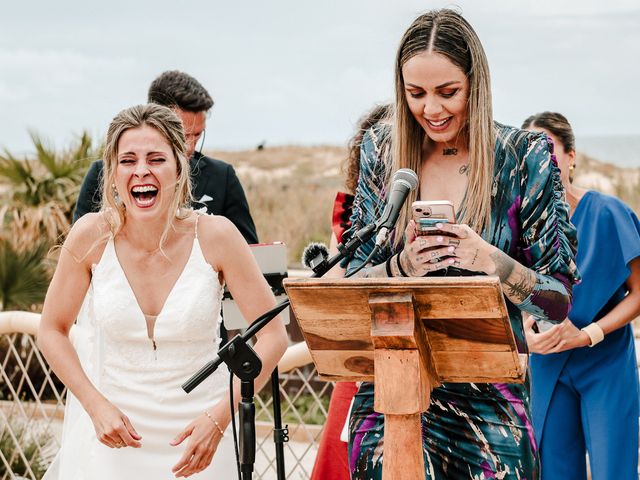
178 89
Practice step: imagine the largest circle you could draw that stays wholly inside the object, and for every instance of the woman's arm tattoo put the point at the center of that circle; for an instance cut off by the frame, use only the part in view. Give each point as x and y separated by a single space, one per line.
518 280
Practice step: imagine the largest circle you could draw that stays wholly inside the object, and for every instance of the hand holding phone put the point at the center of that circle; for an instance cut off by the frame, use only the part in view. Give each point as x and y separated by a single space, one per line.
428 213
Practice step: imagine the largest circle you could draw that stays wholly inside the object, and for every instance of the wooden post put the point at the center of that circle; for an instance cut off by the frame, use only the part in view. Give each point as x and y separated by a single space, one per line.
403 386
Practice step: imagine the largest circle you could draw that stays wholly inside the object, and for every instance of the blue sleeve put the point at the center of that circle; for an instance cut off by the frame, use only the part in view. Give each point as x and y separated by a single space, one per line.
609 240
628 230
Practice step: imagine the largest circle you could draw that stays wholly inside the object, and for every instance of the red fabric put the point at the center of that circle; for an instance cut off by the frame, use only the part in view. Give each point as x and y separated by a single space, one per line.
332 461
341 214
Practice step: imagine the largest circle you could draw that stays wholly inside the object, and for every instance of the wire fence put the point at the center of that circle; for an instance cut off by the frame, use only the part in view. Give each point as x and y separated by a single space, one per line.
32 412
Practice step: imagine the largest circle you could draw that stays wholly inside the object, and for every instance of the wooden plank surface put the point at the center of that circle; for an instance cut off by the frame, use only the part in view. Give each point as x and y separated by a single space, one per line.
456 334
353 365
465 330
490 367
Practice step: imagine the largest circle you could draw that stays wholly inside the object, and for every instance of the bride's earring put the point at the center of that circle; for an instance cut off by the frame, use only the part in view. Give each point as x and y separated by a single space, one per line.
116 197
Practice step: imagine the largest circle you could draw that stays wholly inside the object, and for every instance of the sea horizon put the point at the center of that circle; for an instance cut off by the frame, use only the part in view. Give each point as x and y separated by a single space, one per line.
619 150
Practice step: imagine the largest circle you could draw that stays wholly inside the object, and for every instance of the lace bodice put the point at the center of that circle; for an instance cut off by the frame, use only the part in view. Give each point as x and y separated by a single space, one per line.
185 335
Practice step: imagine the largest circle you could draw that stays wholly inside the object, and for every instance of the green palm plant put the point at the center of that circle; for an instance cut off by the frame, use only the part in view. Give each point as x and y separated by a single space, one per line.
40 192
24 274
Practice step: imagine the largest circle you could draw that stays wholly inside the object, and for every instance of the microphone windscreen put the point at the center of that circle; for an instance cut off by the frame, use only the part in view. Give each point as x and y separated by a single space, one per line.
314 253
408 176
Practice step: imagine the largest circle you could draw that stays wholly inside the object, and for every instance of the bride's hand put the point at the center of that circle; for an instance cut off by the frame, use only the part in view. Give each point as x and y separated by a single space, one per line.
205 435
113 427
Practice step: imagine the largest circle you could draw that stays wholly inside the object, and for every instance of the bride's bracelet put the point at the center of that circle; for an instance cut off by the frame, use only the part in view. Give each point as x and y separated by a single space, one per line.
215 422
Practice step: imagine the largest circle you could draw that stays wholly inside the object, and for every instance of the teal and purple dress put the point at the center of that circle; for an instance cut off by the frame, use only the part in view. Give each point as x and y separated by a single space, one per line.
474 430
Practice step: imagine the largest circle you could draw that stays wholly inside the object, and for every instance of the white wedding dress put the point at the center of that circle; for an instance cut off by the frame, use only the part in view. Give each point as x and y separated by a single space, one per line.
141 371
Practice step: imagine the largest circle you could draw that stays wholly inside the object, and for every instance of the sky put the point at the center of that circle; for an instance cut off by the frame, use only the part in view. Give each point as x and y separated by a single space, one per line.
300 72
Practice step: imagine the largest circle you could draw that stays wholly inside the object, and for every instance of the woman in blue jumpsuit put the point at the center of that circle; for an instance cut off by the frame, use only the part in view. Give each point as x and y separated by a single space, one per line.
584 375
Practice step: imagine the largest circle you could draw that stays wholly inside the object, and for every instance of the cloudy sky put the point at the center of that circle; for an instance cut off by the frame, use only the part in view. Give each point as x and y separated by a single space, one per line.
294 71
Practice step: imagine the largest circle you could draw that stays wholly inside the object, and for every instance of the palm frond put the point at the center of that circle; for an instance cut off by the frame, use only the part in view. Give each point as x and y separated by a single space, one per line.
24 275
45 152
14 171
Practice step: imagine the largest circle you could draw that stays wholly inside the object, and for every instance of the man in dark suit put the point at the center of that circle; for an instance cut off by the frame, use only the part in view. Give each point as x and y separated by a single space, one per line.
215 184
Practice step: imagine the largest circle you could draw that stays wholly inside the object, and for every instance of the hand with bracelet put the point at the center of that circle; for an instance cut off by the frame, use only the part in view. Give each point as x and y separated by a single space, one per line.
560 337
204 434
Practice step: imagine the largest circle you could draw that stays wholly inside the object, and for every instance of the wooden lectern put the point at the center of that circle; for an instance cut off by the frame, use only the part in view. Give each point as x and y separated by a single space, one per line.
408 335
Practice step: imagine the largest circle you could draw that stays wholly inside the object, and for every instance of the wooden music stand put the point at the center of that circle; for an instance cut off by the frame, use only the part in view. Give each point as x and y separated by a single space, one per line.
408 335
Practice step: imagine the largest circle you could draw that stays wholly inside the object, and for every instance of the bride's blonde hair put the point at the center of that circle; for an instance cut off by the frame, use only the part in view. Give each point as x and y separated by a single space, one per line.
169 125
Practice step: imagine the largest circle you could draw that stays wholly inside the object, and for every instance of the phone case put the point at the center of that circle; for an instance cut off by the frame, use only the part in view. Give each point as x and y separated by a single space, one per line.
427 214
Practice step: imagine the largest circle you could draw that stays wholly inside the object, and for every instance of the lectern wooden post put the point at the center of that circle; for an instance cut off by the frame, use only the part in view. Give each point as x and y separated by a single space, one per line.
407 335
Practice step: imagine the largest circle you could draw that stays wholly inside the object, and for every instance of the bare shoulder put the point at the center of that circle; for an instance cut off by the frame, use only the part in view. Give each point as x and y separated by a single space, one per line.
215 226
219 237
87 238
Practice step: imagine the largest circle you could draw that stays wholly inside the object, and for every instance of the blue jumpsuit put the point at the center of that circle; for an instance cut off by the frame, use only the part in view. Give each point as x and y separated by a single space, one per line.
586 399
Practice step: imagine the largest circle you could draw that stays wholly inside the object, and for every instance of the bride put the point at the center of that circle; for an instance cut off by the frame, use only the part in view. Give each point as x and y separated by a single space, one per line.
144 278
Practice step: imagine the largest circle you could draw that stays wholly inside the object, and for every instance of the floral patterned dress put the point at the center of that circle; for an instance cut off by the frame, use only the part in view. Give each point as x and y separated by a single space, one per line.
473 430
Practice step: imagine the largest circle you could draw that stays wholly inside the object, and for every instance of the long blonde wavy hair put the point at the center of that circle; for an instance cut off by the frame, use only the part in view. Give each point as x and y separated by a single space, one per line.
169 125
447 33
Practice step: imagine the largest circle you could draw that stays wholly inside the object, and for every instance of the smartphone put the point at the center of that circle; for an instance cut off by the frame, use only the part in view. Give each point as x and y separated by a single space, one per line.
428 213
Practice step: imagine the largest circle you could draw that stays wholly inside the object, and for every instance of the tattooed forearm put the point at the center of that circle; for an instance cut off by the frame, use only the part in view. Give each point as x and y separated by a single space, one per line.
504 265
520 284
517 280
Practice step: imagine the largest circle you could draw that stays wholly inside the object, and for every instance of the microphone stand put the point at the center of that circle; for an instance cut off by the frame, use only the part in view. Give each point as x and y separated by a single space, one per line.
243 361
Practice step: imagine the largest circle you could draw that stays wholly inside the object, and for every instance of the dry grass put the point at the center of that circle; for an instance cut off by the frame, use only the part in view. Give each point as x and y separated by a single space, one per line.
623 183
291 189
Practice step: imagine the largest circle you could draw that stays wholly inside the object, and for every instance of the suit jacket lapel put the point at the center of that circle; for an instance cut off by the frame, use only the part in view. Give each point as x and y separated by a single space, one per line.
199 176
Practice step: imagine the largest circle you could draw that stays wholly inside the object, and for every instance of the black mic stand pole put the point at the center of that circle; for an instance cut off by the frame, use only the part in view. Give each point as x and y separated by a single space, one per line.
243 361
280 435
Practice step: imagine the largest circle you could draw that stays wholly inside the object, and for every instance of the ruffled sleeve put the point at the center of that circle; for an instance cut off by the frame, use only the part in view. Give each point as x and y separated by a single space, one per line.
370 195
548 242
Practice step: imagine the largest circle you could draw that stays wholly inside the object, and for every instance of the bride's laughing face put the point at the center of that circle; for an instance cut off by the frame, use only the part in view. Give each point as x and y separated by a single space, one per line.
146 172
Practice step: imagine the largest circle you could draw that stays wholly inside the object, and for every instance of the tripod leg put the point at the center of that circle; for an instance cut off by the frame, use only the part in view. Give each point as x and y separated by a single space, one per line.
280 435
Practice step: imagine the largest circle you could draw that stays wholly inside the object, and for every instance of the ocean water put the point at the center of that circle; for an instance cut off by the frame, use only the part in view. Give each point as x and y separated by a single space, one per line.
620 150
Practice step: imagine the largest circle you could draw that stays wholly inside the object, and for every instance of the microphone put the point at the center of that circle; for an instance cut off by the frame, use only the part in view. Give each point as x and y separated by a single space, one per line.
314 255
404 181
